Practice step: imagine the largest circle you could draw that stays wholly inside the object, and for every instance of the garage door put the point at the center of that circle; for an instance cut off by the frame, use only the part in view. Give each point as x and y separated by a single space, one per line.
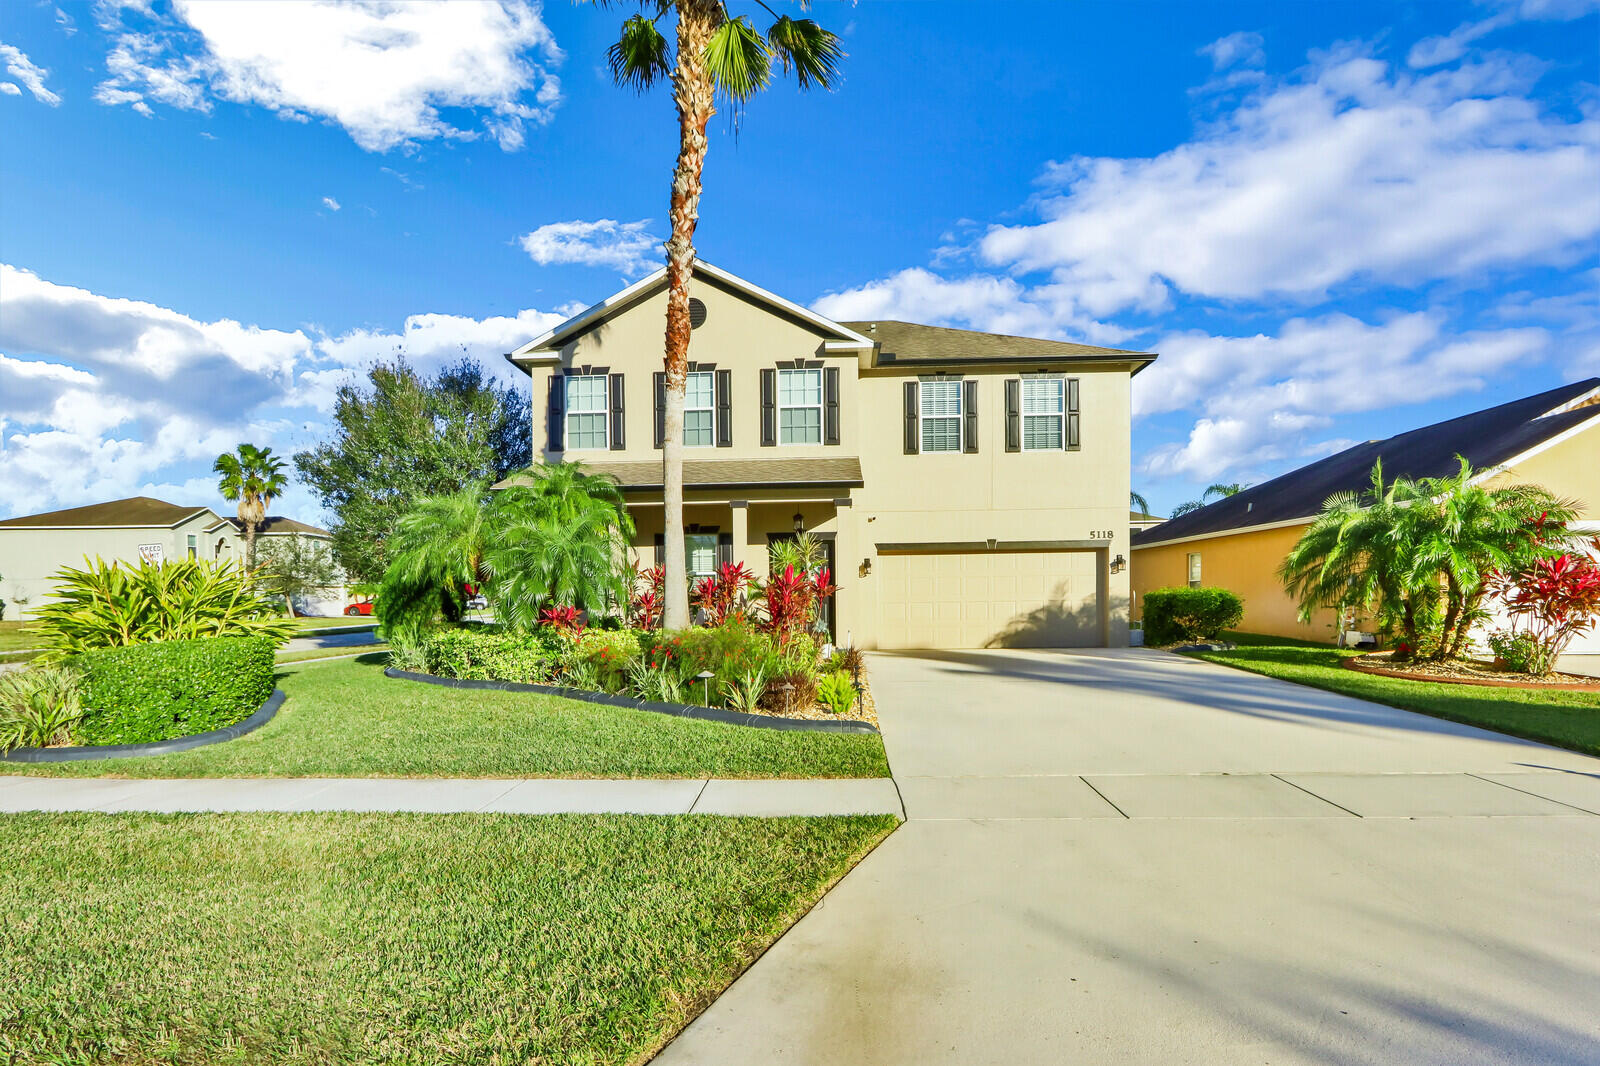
993 599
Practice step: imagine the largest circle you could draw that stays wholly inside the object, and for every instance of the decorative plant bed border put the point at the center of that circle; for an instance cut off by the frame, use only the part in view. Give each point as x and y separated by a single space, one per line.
1355 663
261 717
679 710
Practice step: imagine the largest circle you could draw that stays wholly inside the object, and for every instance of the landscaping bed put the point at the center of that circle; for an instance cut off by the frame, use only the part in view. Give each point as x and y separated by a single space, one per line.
1467 672
357 938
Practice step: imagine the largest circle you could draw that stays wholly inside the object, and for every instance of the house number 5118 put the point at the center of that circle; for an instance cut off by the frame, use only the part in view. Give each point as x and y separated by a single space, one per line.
1101 534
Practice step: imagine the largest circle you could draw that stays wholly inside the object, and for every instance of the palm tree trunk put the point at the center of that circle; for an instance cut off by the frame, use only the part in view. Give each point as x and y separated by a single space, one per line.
250 546
692 93
1452 612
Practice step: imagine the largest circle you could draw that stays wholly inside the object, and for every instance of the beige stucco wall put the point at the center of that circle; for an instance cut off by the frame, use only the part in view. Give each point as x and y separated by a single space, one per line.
1570 469
992 495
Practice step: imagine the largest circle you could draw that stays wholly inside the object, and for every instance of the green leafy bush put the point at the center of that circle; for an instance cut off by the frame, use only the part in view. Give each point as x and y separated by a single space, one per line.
1184 615
171 688
836 691
729 651
1521 653
38 707
488 653
602 657
110 605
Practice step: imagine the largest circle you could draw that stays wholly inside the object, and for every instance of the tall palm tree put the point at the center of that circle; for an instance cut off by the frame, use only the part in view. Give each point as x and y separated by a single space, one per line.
253 477
716 52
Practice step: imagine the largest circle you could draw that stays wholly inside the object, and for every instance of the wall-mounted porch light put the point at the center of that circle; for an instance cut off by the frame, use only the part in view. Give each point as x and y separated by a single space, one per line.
799 523
1117 564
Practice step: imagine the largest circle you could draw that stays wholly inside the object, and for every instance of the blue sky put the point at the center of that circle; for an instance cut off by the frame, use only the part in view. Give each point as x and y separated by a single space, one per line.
1333 220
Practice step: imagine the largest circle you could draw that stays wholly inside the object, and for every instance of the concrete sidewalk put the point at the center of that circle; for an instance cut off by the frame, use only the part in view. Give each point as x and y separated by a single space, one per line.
449 795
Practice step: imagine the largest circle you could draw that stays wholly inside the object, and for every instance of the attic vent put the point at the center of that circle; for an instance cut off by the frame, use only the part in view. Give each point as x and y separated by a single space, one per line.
697 313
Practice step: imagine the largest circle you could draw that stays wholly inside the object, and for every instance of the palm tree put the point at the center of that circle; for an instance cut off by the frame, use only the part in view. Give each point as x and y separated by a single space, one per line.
1222 490
1185 508
1138 503
715 53
254 477
435 551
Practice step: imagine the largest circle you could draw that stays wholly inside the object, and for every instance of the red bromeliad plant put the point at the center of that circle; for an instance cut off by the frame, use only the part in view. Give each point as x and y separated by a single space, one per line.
721 596
568 621
1551 601
648 603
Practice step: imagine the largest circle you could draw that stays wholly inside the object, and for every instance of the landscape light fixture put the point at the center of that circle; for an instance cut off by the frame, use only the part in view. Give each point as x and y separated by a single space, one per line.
704 677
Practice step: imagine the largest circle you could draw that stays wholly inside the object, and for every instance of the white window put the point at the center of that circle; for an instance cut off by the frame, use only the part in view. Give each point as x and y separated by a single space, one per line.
699 409
800 407
1194 570
1044 409
586 411
701 551
194 546
941 416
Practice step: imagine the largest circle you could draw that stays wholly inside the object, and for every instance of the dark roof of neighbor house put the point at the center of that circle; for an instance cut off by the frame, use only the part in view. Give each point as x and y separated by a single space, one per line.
1484 438
133 511
277 525
843 472
910 342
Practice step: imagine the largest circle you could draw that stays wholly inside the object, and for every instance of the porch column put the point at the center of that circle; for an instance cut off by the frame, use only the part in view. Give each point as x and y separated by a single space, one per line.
741 529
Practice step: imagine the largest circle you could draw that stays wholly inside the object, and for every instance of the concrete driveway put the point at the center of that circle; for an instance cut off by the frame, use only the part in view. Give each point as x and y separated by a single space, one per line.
1131 857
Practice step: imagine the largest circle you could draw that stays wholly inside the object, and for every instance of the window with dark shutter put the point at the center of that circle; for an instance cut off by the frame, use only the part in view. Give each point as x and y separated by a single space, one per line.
554 430
615 383
969 413
830 405
724 408
1072 414
769 408
913 416
661 549
660 388
1013 415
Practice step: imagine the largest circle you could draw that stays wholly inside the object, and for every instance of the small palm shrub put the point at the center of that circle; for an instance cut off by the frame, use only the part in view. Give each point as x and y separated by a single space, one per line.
1182 615
108 605
849 660
836 692
172 688
38 707
648 682
487 653
745 693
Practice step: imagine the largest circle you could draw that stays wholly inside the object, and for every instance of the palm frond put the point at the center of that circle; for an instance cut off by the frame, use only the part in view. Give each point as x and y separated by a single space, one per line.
641 56
812 51
738 59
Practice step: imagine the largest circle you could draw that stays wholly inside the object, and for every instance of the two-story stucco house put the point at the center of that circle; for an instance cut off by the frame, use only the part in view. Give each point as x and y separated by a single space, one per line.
971 489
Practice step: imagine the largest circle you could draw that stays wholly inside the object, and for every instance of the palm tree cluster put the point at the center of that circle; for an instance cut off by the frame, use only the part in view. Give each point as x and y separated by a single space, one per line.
1421 554
556 535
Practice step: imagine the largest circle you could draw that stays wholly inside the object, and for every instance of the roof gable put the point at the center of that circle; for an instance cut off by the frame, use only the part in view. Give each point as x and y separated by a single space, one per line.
1489 438
139 511
911 343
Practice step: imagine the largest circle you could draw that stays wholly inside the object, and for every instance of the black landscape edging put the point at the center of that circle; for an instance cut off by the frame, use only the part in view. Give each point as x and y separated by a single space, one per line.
677 710
262 716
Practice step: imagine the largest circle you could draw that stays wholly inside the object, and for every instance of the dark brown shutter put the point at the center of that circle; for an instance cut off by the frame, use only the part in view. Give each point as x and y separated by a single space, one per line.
724 408
659 384
830 405
661 549
724 549
969 416
614 381
1013 415
769 408
913 427
556 422
1072 414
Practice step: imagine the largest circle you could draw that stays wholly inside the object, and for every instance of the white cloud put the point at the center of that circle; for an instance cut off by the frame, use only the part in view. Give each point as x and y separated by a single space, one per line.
382 71
32 77
1348 173
1236 49
1447 48
10 88
330 203
628 247
102 397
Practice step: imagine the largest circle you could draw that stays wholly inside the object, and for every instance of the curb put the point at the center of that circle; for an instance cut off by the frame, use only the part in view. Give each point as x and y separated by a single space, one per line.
1352 664
677 710
261 717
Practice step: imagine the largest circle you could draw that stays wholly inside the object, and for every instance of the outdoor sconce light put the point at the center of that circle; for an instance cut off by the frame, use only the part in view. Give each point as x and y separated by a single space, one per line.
1117 564
866 566
799 523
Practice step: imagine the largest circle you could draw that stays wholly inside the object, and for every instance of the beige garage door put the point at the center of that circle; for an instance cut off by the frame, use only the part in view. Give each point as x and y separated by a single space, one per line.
988 600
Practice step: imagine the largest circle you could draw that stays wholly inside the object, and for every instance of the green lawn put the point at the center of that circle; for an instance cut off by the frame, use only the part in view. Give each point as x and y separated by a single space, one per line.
360 938
12 637
345 719
337 621
327 653
1565 719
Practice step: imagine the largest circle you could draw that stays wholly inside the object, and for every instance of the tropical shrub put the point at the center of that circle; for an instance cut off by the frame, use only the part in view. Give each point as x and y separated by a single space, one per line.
490 653
173 688
1182 615
435 551
648 599
1550 601
601 657
720 597
745 693
109 605
658 683
38 707
848 659
836 691
1519 652
790 691
793 600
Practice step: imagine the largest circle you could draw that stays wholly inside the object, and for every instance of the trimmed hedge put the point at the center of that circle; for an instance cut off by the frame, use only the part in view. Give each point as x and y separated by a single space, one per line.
1185 615
171 688
484 653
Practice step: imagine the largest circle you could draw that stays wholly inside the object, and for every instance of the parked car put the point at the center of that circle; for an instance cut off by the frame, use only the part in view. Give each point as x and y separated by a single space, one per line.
358 609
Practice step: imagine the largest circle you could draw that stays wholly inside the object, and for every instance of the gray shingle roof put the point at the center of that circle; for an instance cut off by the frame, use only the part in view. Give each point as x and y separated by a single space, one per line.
902 342
133 511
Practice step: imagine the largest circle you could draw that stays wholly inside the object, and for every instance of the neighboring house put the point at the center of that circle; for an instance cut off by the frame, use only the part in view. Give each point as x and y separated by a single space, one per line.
970 489
34 547
1551 439
1141 521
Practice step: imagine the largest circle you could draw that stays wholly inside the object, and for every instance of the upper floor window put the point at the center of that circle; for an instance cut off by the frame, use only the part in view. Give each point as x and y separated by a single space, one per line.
799 406
1044 414
941 415
586 411
699 409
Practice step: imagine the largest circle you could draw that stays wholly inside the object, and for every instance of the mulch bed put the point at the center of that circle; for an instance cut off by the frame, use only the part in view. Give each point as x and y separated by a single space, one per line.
1466 672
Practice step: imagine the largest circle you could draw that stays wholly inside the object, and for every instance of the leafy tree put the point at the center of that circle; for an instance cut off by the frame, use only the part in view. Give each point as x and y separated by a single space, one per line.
402 438
296 566
254 477
716 53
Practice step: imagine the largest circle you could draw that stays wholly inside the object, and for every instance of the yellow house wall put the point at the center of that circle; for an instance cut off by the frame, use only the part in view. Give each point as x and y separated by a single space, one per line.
1570 469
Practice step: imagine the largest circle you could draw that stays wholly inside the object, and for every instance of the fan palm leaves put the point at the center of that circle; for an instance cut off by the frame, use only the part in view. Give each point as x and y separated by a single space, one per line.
253 477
